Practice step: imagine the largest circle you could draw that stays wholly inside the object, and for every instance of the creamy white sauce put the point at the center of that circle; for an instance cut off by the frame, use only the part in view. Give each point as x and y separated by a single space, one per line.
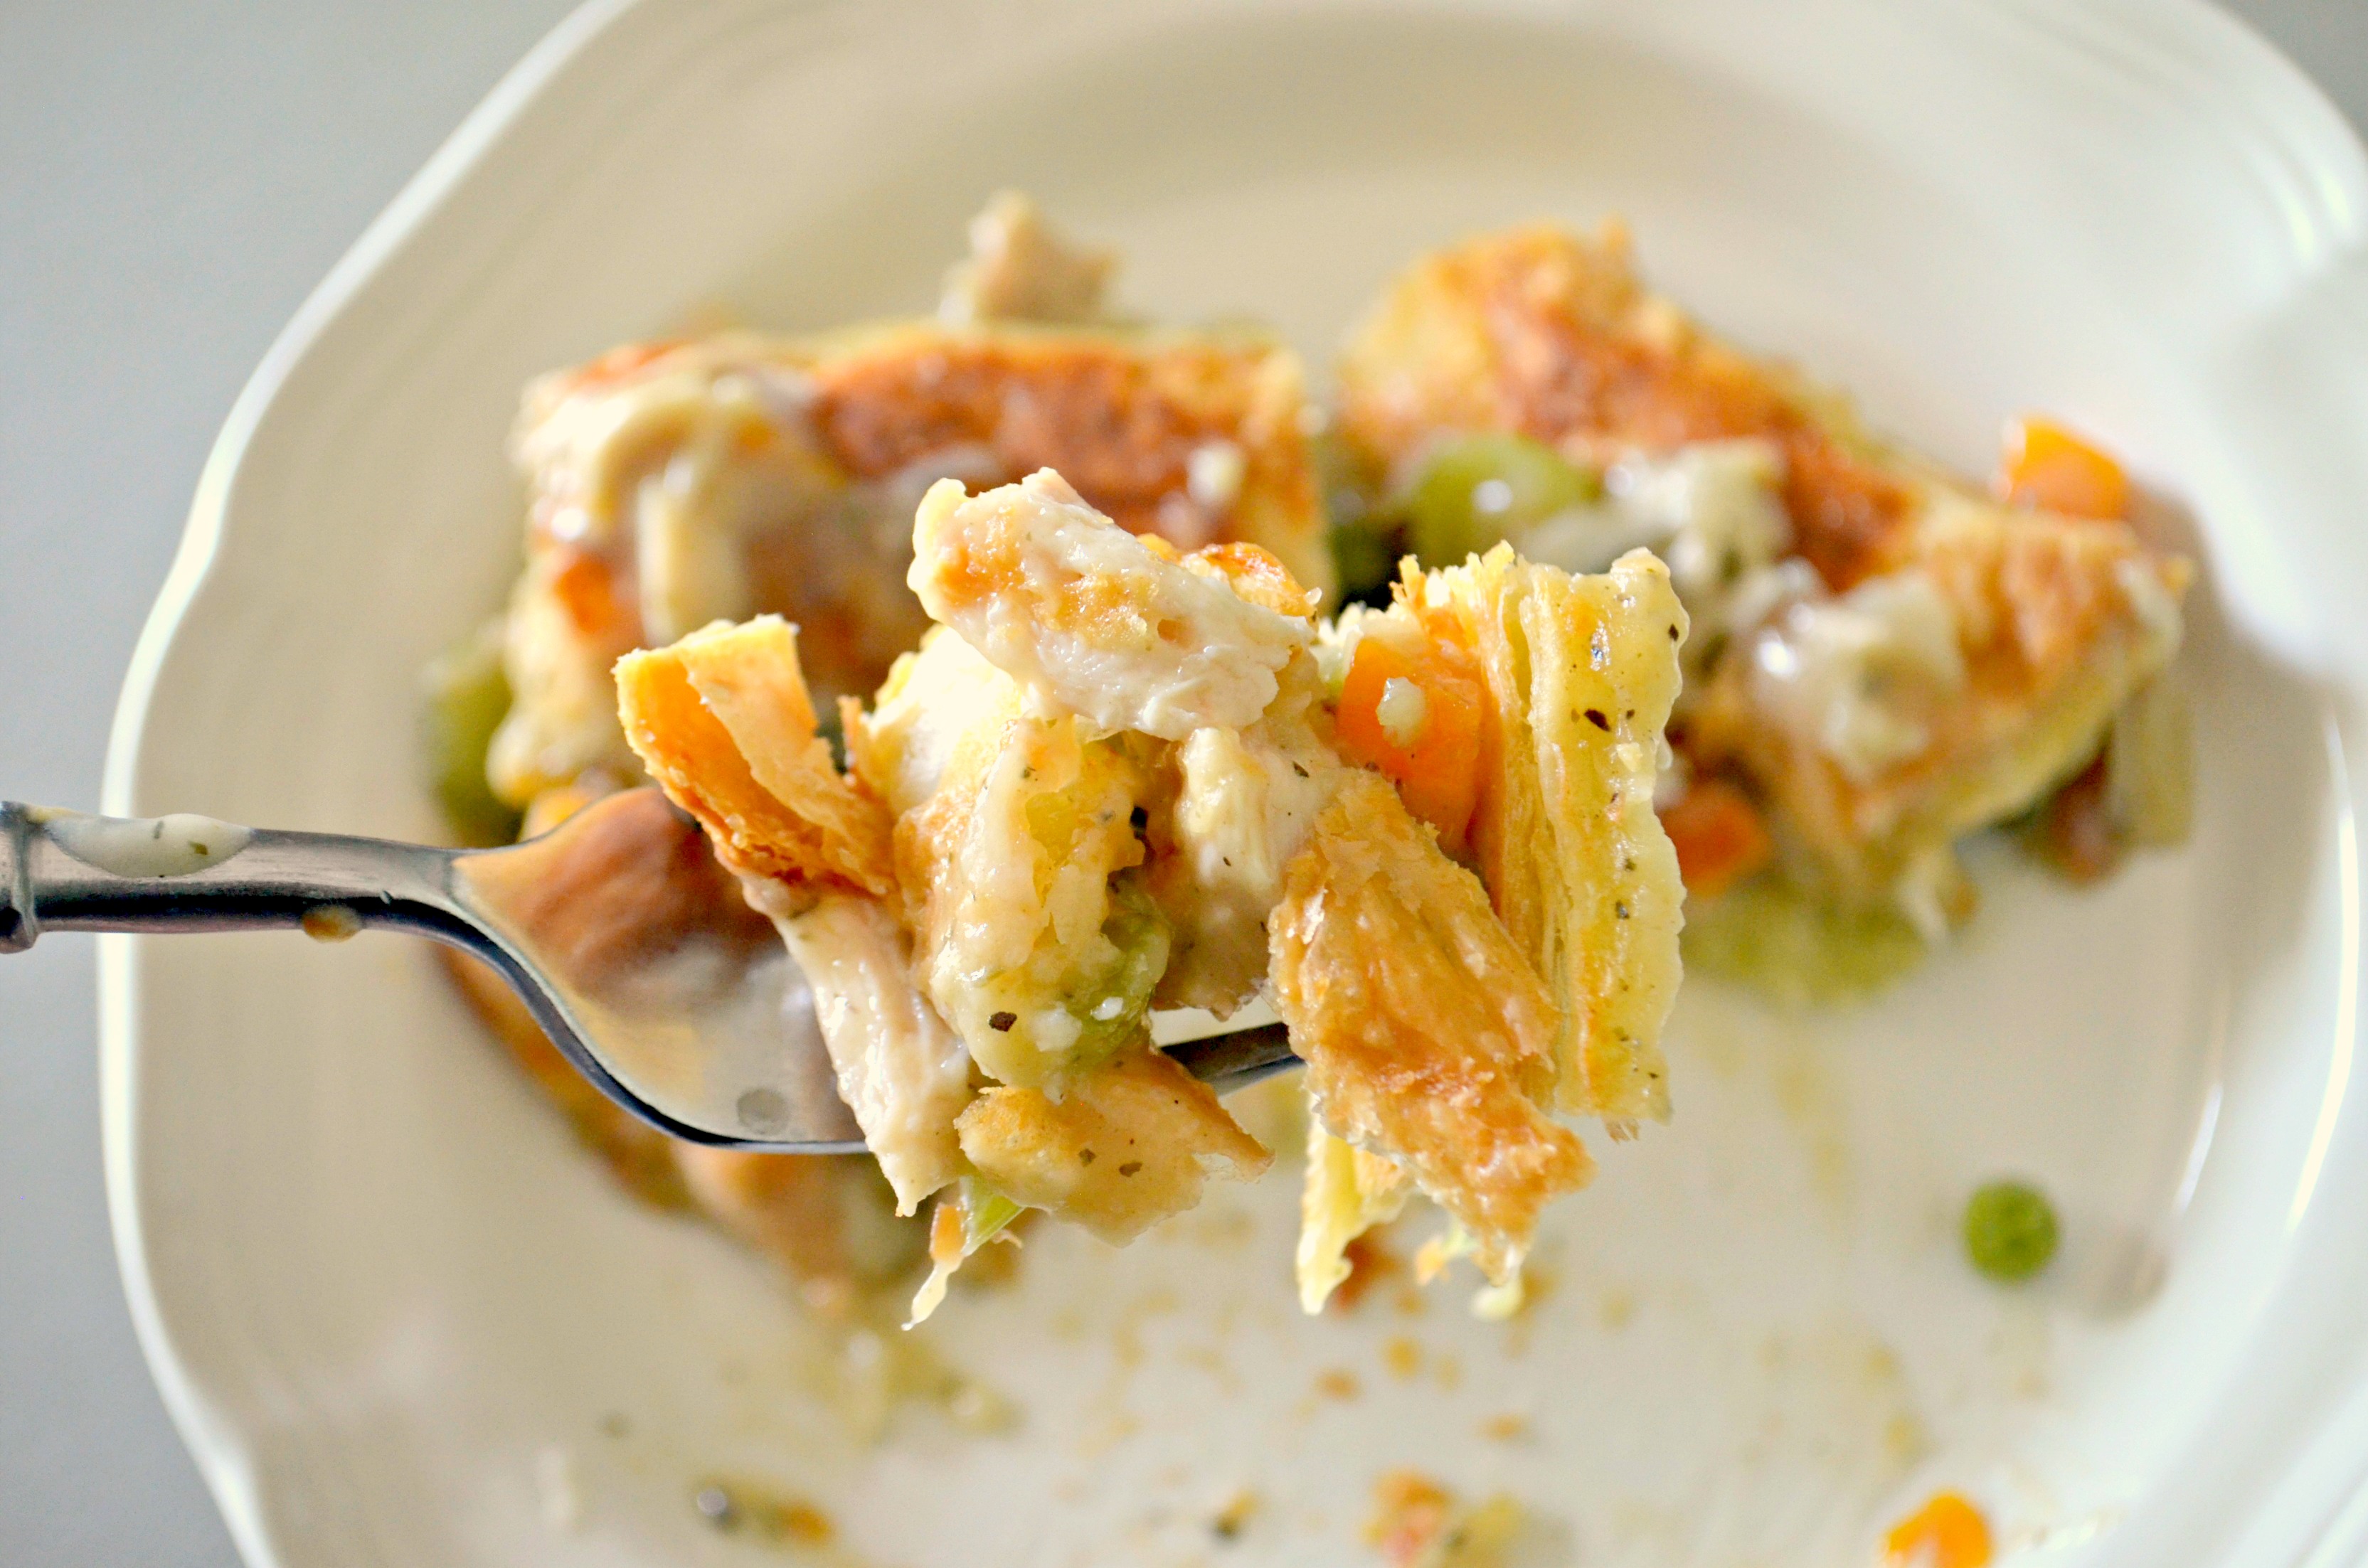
171 846
1861 677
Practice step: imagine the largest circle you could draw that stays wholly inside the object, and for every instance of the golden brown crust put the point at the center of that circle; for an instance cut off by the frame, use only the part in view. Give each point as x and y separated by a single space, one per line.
1119 415
723 723
1427 1034
1538 331
786 444
1126 1145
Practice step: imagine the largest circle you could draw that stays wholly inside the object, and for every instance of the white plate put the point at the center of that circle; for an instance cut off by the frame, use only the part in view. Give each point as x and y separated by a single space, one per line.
390 1303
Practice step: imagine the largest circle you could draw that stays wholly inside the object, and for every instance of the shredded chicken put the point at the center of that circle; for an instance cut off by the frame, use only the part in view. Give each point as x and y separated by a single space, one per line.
900 1069
1090 616
725 724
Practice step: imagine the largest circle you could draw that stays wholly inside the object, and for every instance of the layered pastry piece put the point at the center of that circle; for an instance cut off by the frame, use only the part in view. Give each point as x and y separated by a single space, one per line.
675 483
1114 777
1885 659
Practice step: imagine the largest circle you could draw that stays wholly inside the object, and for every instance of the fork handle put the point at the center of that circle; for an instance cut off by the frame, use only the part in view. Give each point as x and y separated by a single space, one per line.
69 872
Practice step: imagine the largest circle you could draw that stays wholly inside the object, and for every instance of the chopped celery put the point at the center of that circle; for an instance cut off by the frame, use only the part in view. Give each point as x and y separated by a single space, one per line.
1112 1007
466 698
2150 766
1796 948
1479 490
965 1219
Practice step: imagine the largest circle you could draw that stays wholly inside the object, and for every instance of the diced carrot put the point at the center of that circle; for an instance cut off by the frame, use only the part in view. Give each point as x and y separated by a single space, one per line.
1410 1513
1946 1532
2043 465
1718 835
586 587
1437 766
2080 838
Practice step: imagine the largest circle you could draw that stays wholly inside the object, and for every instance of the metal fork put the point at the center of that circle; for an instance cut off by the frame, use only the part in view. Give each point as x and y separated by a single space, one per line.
632 948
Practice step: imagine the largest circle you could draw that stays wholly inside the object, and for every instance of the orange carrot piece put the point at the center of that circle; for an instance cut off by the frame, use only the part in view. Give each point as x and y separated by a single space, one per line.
1718 835
1946 1532
1438 769
586 586
2044 465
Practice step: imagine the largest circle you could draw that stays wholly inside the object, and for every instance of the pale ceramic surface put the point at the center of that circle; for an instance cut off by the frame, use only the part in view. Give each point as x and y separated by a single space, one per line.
389 1301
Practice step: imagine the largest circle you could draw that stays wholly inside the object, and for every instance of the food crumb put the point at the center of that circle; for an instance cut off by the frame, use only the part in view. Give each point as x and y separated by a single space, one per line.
1338 1382
1402 1356
1370 1262
762 1513
1230 1520
1510 1427
1418 1523
1410 1513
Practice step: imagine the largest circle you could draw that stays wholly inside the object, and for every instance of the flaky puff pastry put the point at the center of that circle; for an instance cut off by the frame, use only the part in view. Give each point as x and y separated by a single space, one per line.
1427 1034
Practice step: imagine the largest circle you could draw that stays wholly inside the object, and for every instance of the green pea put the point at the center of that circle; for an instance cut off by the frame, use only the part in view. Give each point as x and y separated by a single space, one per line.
466 698
2010 1230
1479 490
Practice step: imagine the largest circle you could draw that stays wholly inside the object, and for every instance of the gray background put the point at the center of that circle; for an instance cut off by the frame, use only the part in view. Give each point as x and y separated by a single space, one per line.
174 178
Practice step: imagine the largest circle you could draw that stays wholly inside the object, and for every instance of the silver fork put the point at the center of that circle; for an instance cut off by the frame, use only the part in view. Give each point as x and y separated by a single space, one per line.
632 948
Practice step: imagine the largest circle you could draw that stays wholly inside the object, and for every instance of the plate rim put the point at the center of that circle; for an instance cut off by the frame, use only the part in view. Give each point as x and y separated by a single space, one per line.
2255 95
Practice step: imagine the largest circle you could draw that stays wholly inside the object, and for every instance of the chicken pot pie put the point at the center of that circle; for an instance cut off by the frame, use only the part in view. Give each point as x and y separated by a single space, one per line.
1099 774
1885 659
1116 777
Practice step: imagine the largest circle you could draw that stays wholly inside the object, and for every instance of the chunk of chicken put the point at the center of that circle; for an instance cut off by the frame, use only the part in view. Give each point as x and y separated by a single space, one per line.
1021 268
901 1070
1089 618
